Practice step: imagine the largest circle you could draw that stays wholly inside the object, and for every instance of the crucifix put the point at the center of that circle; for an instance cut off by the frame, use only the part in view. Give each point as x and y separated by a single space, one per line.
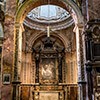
48 31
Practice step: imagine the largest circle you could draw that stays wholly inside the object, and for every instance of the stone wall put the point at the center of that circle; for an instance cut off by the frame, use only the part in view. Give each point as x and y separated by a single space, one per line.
8 46
94 9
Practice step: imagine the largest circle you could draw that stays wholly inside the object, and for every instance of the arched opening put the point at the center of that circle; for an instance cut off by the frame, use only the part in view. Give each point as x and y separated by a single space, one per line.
36 42
29 5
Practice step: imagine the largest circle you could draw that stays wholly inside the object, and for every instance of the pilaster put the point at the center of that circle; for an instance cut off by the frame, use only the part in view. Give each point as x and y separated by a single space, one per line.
80 61
17 60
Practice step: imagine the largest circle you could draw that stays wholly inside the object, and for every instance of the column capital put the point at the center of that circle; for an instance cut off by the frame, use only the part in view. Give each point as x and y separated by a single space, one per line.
79 26
17 25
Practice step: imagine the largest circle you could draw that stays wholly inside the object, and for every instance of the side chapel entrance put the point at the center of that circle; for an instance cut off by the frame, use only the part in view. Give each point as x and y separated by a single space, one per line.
40 66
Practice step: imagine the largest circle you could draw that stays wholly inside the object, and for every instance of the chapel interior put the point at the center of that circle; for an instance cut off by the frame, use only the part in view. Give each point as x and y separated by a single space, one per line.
49 50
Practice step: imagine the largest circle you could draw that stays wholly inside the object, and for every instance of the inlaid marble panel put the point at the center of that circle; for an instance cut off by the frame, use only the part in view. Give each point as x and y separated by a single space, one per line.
49 96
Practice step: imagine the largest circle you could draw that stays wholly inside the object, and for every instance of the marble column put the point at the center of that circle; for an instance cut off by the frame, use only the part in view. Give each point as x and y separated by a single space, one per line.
17 60
60 67
37 61
88 42
80 61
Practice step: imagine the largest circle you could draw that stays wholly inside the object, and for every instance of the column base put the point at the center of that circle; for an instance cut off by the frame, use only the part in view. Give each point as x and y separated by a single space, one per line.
81 82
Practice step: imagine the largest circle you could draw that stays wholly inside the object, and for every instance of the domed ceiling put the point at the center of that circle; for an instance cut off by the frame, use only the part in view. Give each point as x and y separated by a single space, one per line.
48 15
